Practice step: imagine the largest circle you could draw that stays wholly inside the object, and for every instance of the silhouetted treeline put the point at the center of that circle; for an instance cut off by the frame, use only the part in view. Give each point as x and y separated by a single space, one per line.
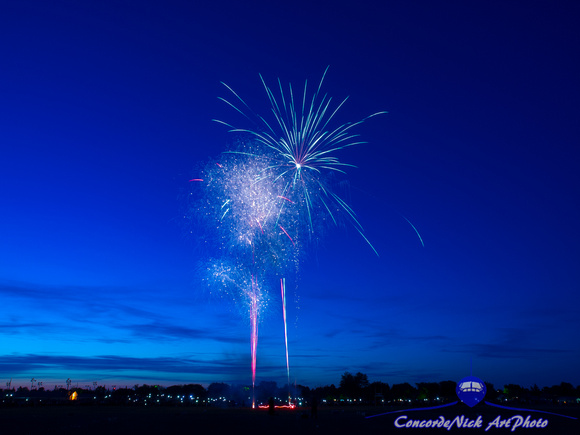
353 389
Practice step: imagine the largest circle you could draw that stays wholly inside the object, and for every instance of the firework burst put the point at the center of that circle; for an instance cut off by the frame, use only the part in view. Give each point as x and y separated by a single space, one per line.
244 210
272 194
302 145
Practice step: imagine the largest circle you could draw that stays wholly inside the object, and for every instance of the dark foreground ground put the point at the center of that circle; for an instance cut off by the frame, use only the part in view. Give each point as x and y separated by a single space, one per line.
64 420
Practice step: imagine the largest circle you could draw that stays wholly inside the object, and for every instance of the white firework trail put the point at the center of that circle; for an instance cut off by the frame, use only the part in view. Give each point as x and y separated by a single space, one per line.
302 146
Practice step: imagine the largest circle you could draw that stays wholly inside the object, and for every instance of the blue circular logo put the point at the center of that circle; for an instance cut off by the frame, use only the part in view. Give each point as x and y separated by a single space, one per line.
471 390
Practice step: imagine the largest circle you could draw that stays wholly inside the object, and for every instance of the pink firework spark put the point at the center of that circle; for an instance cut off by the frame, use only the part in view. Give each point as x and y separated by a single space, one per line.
254 336
285 232
283 197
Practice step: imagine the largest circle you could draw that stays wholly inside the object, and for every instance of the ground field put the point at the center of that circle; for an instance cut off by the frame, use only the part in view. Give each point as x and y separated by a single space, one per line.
65 420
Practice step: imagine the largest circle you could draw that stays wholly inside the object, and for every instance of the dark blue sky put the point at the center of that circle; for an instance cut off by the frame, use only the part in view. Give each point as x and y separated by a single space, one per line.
106 108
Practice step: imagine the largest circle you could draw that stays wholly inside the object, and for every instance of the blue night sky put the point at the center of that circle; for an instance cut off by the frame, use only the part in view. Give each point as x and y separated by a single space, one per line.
106 108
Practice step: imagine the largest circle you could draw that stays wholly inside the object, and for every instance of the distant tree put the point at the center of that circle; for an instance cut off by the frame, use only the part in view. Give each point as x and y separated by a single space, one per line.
361 380
174 390
513 391
491 392
295 392
566 389
404 391
121 395
219 389
376 392
351 386
302 391
447 390
146 390
195 390
328 393
267 389
427 391
241 394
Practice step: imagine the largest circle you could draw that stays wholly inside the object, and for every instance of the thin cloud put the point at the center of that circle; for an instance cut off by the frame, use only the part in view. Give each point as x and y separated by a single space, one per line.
506 350
509 343
73 301
36 363
175 332
19 328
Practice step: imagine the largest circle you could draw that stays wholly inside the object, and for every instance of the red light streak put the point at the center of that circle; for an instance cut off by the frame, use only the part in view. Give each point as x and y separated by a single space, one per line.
291 406
282 228
283 197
